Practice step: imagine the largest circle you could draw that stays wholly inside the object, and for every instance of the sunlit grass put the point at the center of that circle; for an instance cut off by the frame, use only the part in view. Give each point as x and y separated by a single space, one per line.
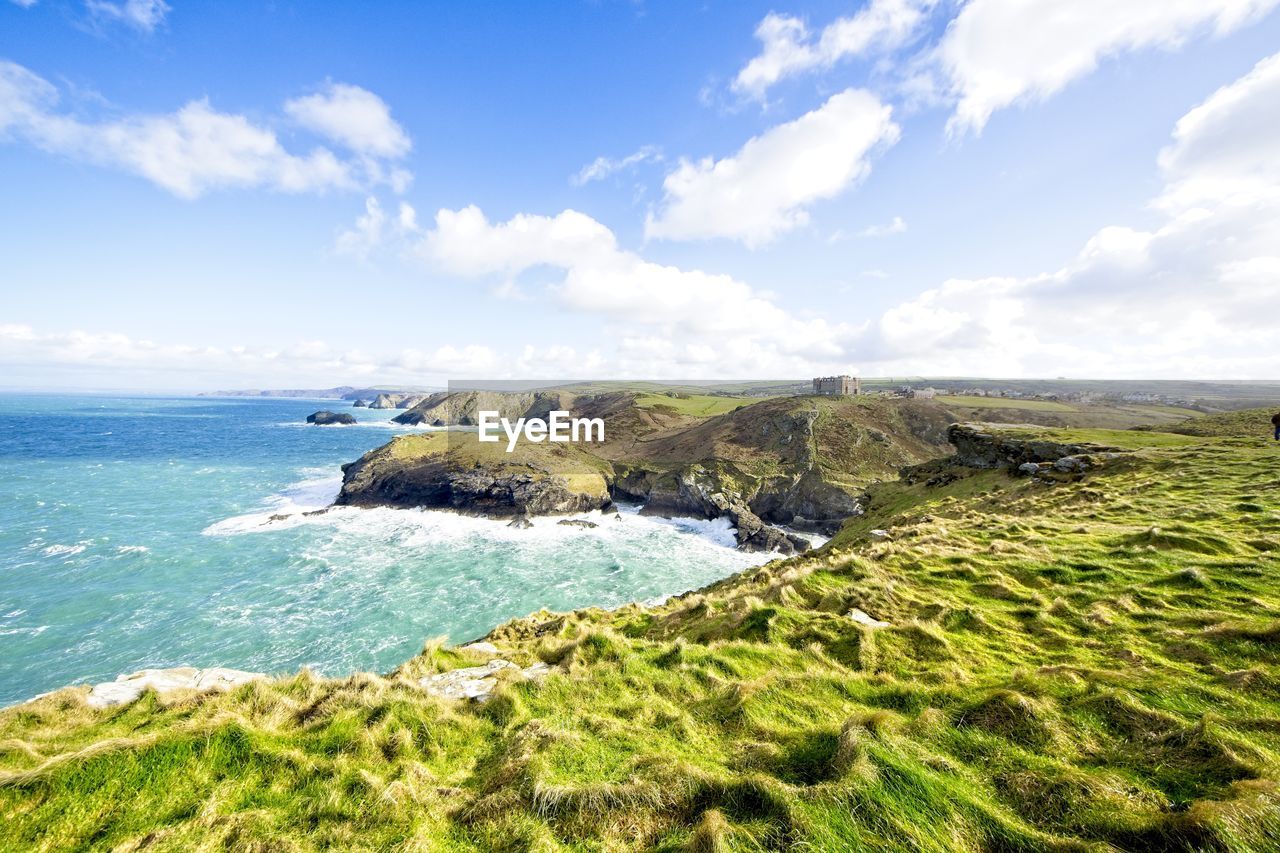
1067 666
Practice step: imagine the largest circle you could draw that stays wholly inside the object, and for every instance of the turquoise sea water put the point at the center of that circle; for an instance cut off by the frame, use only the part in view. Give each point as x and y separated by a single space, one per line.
135 532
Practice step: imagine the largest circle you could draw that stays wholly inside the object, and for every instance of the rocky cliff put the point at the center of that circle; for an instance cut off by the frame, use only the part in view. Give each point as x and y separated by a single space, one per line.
457 472
460 408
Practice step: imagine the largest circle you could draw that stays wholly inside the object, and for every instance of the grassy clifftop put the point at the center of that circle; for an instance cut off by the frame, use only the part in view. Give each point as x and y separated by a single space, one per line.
982 662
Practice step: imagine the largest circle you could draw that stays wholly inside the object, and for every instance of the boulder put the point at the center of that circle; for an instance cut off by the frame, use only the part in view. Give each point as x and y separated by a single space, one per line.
327 418
360 404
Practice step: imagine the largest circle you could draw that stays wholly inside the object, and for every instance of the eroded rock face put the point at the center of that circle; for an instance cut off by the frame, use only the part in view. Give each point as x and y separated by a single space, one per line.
327 418
977 448
699 493
128 688
380 478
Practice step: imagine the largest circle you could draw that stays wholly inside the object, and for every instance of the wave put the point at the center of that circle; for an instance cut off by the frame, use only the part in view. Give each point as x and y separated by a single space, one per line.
64 550
286 508
375 424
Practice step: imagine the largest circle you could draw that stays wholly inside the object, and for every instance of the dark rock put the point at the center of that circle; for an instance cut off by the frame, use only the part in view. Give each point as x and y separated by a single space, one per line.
360 404
327 418
380 479
520 522
577 522
977 448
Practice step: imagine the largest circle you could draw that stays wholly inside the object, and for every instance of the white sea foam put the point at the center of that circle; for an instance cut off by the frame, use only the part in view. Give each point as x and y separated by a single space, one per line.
64 550
315 492
375 424
132 549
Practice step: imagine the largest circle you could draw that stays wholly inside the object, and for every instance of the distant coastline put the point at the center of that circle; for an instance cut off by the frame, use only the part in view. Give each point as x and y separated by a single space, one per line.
340 392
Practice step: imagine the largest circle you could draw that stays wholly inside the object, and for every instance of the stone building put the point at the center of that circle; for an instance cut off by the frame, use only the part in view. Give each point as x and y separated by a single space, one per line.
837 385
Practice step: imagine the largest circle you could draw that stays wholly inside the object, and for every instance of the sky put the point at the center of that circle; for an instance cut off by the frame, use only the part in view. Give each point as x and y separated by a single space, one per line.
197 196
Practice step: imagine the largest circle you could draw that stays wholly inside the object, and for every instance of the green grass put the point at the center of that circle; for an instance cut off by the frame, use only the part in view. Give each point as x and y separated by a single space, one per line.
696 405
1088 665
1005 403
1244 423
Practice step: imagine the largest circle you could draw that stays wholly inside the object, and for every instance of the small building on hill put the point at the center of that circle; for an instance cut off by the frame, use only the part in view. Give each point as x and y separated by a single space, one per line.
837 386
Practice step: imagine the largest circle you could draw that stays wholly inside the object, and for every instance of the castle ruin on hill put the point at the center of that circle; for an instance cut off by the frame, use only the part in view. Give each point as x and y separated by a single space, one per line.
837 386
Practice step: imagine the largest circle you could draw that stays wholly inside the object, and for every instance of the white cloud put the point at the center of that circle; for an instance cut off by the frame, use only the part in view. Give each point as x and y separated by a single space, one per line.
695 311
787 47
188 152
997 53
897 225
1226 147
764 189
1197 296
353 117
26 4
83 355
465 242
602 167
373 229
144 15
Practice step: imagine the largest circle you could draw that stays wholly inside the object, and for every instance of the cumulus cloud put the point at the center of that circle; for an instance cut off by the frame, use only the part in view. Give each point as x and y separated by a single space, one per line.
374 228
1199 295
695 311
353 117
788 48
602 167
144 15
765 189
188 152
997 53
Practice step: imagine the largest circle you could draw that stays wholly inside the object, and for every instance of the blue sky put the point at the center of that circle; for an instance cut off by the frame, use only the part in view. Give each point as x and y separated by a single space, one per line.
266 195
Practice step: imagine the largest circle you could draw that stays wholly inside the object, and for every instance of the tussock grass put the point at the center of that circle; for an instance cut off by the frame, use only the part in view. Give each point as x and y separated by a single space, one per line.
1076 666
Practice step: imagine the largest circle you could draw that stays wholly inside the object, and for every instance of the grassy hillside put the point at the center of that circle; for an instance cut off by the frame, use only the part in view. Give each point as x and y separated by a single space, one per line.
1052 413
697 405
1249 422
979 663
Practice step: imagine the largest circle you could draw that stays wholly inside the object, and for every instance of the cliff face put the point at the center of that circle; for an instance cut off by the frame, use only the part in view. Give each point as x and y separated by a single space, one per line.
977 447
460 408
457 472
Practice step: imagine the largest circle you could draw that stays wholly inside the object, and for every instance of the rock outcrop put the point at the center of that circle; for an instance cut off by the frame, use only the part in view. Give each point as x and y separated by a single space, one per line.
360 404
460 408
428 471
327 418
989 446
128 688
477 683
699 493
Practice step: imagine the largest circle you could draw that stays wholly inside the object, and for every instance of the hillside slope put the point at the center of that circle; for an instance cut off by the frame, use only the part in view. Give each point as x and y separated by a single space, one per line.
1087 658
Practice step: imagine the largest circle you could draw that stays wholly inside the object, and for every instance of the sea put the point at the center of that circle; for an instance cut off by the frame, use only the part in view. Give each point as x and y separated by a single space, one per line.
136 532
